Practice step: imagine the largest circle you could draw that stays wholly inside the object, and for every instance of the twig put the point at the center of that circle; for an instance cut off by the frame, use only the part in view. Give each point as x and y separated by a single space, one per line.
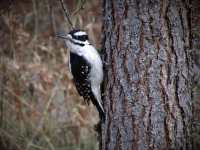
80 7
35 12
42 119
51 16
2 85
66 13
22 100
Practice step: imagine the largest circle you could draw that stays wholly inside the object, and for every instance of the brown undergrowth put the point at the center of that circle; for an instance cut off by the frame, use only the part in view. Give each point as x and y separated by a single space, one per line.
40 107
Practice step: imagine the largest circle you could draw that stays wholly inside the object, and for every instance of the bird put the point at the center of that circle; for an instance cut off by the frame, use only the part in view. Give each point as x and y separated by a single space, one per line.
86 67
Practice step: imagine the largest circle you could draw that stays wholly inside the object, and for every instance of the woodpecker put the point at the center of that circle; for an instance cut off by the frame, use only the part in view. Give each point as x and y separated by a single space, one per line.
86 67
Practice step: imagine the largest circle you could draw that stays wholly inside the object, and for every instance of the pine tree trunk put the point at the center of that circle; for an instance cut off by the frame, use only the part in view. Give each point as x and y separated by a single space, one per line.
147 91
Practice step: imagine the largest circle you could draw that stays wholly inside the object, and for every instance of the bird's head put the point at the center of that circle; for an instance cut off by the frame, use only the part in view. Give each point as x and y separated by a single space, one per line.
75 38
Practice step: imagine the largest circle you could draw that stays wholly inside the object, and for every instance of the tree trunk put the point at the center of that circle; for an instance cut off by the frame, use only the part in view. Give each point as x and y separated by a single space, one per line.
147 91
195 27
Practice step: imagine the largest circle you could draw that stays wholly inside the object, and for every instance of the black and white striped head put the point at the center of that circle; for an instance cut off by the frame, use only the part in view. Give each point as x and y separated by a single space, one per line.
78 35
75 38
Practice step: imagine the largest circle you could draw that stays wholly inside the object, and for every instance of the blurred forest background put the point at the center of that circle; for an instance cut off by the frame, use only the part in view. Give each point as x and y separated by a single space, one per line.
39 106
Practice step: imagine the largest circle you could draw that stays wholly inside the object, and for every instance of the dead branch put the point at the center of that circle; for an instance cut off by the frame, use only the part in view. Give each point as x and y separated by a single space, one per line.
66 13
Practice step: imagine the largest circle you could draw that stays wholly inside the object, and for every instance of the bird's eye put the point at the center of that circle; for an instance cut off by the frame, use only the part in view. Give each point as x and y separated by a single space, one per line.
82 37
85 37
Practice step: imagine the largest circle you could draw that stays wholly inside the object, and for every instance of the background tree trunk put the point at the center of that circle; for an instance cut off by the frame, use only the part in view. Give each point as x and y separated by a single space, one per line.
147 79
195 28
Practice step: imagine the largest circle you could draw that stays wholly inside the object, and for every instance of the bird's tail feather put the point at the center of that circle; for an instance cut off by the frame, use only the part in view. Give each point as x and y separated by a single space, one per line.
101 112
99 108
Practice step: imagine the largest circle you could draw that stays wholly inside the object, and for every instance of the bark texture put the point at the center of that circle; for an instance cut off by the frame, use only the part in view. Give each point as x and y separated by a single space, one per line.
147 91
195 25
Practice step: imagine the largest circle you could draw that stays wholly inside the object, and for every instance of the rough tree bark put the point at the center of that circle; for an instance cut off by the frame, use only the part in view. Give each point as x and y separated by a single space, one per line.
147 78
195 29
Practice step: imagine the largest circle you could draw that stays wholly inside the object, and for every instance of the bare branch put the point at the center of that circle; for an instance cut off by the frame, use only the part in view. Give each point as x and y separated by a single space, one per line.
79 8
66 13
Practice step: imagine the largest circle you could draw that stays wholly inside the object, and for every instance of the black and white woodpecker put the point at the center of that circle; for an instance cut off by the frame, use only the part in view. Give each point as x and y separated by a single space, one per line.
86 67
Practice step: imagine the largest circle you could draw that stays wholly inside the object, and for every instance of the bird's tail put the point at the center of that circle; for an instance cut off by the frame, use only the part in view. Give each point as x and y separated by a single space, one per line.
96 100
101 112
99 107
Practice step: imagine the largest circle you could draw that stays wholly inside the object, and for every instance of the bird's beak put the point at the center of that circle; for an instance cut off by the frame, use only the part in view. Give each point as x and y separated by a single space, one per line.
62 36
